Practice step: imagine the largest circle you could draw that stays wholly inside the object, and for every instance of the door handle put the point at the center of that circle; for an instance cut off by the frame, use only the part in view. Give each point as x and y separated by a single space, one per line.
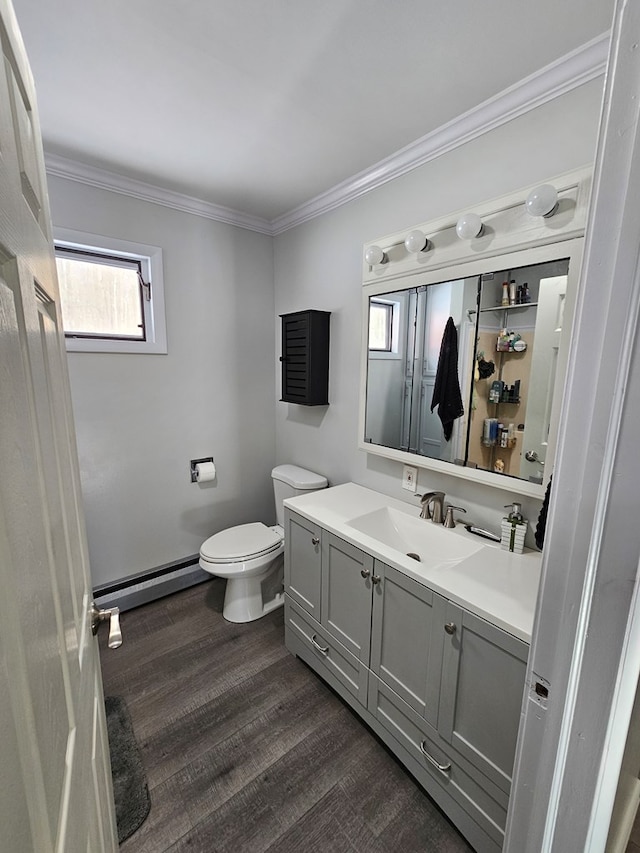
112 615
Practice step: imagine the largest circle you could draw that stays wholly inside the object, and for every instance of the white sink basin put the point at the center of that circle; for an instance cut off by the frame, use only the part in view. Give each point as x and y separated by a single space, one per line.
432 543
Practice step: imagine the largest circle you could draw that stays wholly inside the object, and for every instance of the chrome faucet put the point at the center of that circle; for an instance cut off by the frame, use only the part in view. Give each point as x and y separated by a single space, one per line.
433 506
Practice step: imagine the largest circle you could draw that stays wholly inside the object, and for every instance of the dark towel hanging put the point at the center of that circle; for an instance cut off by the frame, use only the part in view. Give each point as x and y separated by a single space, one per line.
446 391
542 518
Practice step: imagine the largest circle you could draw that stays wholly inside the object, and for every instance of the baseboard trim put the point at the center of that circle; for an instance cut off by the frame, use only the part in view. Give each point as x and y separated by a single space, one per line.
144 587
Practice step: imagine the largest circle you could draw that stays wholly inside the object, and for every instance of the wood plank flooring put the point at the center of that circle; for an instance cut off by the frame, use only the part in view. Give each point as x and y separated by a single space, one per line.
247 750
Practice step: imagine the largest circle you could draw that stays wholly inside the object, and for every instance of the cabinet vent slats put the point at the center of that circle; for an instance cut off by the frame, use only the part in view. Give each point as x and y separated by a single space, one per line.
305 358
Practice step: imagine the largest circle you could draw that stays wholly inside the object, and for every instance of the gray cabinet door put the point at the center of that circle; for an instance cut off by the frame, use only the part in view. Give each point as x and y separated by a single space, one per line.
315 645
407 639
346 595
302 562
482 686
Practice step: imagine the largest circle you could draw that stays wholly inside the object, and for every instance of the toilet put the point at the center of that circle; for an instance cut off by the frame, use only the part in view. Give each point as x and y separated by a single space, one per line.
251 556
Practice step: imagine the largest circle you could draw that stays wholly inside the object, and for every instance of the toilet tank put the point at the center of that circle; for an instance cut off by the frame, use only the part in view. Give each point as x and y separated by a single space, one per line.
289 481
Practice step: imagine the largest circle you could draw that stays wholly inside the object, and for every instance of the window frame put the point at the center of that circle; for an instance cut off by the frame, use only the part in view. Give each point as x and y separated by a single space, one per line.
388 308
398 332
150 259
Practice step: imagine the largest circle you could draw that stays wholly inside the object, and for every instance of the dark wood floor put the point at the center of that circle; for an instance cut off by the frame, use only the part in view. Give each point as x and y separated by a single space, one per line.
246 750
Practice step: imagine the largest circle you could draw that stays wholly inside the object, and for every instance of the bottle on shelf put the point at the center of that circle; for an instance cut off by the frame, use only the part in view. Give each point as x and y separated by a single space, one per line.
490 432
495 391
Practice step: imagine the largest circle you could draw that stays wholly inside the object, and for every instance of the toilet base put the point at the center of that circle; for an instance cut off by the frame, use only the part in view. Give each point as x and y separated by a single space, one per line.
243 600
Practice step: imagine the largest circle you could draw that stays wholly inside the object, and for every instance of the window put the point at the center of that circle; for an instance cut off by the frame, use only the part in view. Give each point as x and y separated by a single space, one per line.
111 294
380 326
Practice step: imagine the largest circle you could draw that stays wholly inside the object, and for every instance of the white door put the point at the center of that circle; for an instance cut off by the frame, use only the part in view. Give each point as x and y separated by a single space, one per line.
544 364
55 783
584 662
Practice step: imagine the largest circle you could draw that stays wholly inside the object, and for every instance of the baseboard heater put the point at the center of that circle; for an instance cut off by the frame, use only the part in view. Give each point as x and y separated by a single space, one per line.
144 587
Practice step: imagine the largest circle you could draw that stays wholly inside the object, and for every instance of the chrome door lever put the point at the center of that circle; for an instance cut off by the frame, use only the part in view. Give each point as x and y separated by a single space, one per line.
112 615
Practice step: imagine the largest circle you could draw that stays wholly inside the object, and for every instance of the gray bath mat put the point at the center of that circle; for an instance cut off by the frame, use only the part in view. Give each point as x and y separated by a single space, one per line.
129 779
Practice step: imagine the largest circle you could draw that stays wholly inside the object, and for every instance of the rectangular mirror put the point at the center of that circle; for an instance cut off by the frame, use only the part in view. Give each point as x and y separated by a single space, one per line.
509 323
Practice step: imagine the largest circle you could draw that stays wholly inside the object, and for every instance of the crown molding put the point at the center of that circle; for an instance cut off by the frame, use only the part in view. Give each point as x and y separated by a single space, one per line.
72 170
586 63
582 65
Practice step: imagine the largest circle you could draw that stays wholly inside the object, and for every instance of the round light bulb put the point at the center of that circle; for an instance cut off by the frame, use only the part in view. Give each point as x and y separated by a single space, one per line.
469 226
542 201
415 242
374 255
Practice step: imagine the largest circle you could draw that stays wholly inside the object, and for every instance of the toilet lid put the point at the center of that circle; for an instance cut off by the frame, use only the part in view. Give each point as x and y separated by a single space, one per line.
243 542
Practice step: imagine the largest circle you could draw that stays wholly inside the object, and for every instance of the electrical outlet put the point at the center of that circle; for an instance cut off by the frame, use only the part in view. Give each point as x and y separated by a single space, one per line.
409 478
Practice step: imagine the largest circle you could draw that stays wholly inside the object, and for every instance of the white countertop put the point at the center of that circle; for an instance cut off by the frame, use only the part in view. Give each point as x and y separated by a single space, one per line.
496 585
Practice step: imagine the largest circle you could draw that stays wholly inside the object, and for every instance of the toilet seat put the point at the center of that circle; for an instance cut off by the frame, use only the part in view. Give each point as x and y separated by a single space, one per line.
241 543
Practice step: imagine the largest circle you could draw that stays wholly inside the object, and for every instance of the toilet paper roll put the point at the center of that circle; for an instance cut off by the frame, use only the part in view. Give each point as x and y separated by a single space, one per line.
205 472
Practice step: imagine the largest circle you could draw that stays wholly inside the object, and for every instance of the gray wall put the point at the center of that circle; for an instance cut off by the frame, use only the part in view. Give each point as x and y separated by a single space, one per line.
319 265
141 418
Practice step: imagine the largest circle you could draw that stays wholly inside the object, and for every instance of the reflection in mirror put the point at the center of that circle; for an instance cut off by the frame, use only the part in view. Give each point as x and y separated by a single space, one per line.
401 378
508 327
511 408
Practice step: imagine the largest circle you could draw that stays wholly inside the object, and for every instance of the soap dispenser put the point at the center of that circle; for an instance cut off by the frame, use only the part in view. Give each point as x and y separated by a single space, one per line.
515 515
514 529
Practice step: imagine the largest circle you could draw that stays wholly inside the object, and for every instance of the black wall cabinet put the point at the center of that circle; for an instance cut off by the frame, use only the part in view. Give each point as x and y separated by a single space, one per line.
305 358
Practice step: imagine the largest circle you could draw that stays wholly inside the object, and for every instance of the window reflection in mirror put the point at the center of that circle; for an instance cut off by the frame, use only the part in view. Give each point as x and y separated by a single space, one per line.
508 327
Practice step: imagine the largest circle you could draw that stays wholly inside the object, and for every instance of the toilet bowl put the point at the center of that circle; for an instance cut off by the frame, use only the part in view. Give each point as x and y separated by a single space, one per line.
246 556
251 556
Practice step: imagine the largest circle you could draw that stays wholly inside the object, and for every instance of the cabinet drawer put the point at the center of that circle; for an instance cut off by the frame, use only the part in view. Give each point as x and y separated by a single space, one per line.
306 638
478 796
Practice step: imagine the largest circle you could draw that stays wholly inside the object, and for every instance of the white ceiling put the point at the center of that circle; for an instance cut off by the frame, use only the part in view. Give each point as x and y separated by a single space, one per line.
261 105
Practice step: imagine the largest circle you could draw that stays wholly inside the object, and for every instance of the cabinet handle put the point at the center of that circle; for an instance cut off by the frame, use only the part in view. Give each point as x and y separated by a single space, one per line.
376 579
365 573
443 768
315 541
450 627
324 650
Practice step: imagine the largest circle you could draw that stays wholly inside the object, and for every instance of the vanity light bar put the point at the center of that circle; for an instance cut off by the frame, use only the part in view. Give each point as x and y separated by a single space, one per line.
541 201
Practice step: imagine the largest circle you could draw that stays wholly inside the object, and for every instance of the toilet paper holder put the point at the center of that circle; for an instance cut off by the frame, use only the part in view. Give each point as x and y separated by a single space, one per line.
195 462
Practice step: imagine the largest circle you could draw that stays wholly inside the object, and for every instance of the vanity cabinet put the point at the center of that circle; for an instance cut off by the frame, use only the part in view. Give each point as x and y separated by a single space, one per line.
442 687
